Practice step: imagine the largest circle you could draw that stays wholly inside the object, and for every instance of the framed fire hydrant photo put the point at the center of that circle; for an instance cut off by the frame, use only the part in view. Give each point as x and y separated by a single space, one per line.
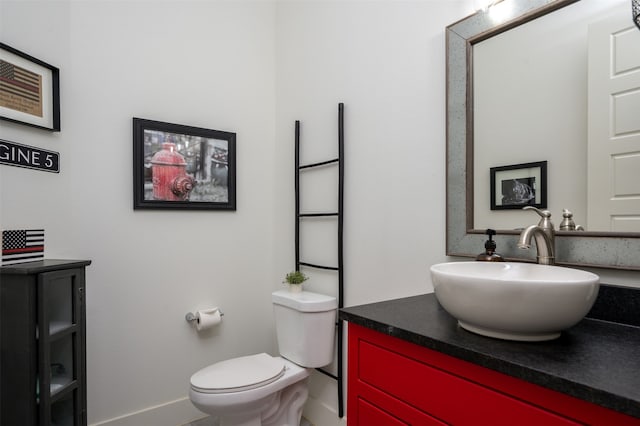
182 167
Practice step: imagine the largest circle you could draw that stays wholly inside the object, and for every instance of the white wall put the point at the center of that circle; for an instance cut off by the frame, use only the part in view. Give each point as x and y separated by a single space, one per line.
206 64
385 61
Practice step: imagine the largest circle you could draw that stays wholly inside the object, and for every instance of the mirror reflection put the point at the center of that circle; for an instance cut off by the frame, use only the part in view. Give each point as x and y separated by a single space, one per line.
562 89
590 248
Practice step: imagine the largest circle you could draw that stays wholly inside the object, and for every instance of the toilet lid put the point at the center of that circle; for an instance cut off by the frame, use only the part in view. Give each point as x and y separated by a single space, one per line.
238 374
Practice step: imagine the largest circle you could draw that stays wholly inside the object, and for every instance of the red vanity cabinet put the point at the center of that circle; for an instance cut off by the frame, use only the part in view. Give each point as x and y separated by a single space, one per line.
395 382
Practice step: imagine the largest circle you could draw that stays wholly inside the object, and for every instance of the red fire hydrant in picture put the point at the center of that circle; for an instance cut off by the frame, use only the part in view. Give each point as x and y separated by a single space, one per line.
168 171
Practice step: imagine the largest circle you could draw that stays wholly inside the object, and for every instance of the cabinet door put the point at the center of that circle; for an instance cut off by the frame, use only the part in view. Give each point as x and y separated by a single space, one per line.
18 360
60 352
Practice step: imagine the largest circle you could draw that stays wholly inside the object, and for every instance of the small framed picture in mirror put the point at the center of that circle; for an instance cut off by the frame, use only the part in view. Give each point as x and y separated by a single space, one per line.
519 185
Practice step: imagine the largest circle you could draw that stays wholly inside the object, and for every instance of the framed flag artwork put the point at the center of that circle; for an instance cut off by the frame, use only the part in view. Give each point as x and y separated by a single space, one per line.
22 245
29 90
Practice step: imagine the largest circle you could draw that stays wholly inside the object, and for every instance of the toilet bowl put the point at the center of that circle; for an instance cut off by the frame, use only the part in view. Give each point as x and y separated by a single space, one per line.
250 391
263 390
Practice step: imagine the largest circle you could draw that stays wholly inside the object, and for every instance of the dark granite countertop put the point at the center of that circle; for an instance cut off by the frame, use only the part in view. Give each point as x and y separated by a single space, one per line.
597 361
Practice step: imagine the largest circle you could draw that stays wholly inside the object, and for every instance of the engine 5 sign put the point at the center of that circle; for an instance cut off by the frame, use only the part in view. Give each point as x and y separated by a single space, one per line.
15 154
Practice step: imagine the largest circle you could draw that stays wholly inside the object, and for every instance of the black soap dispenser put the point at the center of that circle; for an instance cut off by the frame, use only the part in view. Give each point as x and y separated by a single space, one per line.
490 254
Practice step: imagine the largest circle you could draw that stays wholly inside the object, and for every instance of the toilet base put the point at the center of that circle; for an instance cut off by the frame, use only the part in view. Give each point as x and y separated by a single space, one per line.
286 411
289 411
251 416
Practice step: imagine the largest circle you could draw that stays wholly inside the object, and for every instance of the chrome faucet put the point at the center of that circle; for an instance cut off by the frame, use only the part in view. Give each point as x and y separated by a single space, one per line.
544 235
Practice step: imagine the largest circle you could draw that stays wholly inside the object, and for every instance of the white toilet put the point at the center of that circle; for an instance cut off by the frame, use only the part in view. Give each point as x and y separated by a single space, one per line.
261 390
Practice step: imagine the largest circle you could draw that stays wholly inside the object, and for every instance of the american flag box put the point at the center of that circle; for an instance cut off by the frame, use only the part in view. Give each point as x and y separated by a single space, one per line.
22 245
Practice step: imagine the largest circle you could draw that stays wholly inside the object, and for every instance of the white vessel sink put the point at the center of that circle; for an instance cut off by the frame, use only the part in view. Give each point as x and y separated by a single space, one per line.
514 301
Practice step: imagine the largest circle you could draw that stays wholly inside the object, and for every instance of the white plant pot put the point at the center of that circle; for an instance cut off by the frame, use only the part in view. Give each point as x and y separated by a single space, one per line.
295 288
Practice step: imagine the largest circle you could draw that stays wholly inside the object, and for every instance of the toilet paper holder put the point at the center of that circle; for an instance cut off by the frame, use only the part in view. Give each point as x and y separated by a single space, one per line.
191 317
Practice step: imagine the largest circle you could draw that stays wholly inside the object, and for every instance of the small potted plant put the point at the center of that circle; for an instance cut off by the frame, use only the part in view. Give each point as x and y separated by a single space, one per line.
295 280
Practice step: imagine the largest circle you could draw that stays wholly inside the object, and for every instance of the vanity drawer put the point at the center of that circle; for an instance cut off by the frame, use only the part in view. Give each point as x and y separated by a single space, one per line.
445 395
370 414
377 408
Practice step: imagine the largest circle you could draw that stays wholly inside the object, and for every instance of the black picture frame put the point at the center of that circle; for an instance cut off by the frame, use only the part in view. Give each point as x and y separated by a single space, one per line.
183 167
29 90
519 185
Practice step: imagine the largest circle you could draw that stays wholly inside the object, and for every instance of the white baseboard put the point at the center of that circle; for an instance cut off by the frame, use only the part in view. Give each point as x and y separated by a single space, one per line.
321 414
181 412
173 413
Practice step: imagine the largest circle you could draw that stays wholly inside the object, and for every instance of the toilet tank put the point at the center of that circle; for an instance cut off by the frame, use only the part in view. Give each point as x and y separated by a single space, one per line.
305 326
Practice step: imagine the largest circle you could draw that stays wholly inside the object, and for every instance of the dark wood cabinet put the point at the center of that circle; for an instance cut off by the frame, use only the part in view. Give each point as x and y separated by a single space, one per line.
42 336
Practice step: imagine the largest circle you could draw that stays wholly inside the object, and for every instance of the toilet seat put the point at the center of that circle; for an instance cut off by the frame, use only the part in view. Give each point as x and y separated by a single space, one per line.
238 374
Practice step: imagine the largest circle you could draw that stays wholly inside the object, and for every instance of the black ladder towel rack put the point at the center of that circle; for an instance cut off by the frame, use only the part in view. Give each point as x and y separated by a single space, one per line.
339 215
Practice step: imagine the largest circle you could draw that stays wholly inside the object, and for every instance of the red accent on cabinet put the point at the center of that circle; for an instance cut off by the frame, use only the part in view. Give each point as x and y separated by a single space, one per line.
395 382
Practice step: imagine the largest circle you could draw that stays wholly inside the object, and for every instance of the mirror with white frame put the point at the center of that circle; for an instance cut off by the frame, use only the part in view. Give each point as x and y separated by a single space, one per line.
479 64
